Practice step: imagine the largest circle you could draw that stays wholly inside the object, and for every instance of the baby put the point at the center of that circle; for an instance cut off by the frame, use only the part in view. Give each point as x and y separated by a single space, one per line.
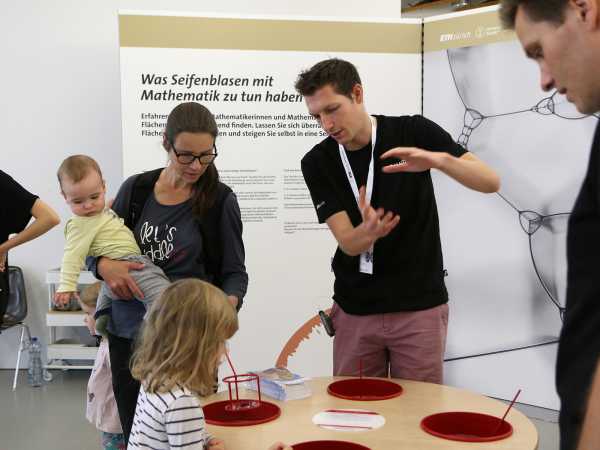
96 230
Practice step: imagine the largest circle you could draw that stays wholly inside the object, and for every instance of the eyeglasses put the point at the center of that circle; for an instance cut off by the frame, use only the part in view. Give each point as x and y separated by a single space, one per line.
188 158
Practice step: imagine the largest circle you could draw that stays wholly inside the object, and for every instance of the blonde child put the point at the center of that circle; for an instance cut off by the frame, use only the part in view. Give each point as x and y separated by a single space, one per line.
101 407
96 230
181 345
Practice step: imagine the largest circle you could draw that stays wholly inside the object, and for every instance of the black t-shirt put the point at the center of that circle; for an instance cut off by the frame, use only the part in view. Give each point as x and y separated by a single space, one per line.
15 208
408 267
168 235
15 213
579 345
359 162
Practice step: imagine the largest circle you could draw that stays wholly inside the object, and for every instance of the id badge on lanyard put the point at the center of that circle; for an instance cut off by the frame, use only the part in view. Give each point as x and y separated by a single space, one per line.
366 258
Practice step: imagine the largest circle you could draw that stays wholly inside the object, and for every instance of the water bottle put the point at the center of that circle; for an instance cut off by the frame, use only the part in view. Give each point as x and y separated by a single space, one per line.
35 376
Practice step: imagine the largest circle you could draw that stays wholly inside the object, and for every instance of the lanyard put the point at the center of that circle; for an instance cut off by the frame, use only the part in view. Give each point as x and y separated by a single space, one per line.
366 258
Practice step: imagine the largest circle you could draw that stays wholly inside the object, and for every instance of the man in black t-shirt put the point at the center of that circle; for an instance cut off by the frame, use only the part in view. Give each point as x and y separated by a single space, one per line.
16 209
563 37
390 311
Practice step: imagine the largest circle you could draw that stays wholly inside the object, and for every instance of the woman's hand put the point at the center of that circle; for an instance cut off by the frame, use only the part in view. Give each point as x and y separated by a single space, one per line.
116 276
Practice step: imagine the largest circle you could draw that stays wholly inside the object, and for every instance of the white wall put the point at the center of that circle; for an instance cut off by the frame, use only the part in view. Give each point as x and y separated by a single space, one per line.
60 95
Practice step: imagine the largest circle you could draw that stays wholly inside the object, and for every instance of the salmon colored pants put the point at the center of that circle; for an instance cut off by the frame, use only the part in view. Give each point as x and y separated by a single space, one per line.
407 345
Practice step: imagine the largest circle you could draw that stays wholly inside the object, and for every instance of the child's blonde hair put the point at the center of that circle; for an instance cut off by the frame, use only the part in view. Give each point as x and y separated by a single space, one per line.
182 337
89 295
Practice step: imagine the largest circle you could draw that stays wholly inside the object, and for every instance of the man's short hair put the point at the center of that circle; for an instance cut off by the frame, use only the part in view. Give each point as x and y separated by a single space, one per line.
537 10
340 74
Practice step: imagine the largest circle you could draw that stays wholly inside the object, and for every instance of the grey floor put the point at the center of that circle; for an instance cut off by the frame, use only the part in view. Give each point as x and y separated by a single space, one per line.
52 417
46 418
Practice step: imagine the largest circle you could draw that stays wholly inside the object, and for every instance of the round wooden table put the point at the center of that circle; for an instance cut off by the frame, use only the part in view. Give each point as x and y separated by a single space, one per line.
403 416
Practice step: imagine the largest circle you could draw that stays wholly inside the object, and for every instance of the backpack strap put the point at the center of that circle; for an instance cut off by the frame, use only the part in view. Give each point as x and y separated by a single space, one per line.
143 186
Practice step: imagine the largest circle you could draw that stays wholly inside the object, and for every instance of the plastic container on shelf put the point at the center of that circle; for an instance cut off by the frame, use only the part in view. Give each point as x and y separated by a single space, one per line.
67 353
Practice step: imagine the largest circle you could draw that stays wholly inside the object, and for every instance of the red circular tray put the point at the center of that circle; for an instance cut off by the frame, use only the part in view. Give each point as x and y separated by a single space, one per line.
218 413
329 445
364 389
466 426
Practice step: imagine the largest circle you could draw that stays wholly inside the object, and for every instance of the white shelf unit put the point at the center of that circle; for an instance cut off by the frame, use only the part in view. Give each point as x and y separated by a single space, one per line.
60 352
